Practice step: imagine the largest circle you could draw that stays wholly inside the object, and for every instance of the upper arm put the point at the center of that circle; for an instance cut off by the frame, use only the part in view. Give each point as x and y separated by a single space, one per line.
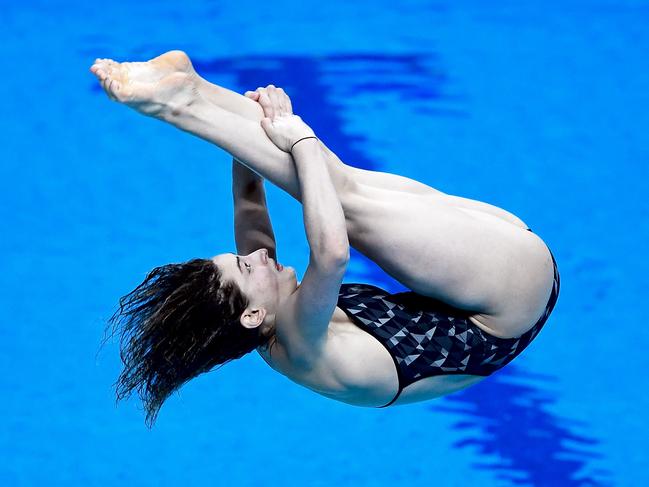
309 310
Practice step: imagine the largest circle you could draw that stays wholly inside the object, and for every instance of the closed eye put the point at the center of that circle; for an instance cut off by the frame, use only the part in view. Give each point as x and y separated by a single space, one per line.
247 266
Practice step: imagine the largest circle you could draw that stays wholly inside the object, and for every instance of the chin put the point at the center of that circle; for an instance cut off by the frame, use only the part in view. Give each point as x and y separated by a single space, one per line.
287 270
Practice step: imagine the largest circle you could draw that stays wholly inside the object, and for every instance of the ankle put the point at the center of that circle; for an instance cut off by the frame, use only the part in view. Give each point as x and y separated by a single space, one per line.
178 113
181 103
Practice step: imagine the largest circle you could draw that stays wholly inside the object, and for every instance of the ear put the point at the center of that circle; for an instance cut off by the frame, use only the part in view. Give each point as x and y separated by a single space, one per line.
252 318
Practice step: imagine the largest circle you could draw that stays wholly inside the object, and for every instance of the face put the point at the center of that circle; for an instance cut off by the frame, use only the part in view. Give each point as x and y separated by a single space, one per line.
259 279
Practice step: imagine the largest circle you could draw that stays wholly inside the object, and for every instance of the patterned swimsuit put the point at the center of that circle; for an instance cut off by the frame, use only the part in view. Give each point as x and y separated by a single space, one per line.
426 337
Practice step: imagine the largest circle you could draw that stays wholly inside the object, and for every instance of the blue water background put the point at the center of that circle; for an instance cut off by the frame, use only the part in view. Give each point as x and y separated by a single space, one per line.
538 107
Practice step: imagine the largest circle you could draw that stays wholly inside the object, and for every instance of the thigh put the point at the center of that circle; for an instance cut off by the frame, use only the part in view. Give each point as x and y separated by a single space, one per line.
480 263
395 182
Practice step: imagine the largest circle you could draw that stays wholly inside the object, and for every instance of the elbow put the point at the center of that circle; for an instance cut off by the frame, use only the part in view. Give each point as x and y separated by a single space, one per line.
332 257
341 256
338 251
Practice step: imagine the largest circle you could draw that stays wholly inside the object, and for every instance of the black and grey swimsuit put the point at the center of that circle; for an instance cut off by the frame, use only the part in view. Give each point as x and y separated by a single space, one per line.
426 337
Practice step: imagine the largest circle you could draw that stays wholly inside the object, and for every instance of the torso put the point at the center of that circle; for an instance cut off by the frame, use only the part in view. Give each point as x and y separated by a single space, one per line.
353 365
355 368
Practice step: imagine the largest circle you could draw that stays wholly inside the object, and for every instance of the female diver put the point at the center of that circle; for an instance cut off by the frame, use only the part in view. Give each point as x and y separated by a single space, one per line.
481 283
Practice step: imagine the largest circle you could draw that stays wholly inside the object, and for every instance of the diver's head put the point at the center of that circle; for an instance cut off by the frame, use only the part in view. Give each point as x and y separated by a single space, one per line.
186 318
260 279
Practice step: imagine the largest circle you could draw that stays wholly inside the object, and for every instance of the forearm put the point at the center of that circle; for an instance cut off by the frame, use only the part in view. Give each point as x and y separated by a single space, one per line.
252 225
324 219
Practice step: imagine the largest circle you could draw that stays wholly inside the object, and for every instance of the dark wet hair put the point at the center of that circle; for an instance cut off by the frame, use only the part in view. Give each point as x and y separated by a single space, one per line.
181 321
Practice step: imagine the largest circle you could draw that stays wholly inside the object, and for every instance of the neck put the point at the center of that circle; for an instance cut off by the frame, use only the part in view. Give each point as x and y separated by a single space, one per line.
269 343
267 330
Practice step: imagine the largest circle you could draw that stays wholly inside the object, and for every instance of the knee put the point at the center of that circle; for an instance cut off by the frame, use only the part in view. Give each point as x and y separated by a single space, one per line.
342 176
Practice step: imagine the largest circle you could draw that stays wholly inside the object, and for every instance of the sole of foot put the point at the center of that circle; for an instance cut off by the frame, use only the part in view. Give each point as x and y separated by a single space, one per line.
162 84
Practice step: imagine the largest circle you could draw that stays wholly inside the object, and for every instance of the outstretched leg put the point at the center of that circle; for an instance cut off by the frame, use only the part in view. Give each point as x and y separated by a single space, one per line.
251 110
247 108
479 263
166 88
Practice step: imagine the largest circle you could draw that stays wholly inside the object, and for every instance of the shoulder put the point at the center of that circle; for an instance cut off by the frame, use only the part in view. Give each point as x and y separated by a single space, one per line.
302 323
347 365
303 365
292 344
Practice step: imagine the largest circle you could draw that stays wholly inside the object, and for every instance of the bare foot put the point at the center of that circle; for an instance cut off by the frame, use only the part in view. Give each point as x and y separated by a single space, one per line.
156 88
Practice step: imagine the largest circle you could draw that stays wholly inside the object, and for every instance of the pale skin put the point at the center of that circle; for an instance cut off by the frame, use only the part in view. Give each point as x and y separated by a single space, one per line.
467 253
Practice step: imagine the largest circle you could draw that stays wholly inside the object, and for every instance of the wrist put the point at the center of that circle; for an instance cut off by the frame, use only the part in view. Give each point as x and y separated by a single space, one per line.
306 152
304 140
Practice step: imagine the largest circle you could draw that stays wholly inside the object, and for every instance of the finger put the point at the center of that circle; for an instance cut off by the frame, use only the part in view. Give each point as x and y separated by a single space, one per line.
267 105
279 99
284 102
274 98
266 123
265 102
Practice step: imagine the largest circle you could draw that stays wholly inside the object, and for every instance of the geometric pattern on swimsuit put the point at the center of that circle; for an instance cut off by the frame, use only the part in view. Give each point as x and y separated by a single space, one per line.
426 337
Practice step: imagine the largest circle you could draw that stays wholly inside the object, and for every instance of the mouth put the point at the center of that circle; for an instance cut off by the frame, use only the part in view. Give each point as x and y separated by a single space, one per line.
279 266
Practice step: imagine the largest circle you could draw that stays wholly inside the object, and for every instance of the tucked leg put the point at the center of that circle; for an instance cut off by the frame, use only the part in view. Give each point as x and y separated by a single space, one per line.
479 263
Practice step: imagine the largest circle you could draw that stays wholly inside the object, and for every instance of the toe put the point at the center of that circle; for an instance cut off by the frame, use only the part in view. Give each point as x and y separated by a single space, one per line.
100 69
124 93
104 85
